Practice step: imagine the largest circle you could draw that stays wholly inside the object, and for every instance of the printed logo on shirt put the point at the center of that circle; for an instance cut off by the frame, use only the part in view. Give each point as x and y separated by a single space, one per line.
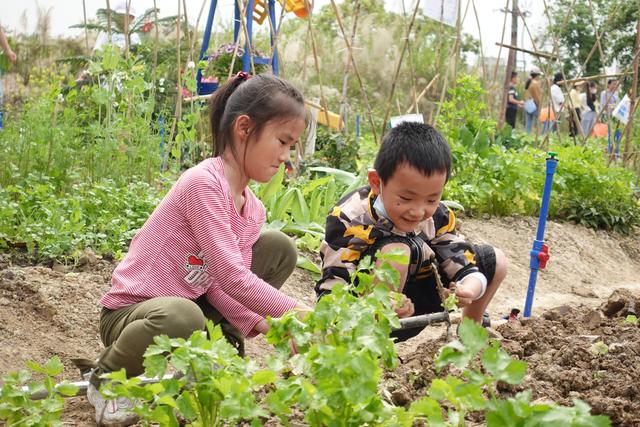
196 266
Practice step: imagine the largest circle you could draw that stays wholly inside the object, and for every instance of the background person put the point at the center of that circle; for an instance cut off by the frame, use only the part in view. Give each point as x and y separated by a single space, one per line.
589 108
513 101
13 58
533 98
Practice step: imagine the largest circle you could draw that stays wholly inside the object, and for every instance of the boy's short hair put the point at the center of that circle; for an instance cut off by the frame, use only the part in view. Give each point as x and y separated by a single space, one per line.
419 145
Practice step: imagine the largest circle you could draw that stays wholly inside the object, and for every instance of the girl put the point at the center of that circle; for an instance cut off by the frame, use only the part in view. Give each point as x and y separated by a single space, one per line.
532 94
200 255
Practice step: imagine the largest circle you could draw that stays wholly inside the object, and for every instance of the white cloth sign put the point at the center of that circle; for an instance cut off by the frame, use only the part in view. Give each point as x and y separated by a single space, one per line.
623 110
445 11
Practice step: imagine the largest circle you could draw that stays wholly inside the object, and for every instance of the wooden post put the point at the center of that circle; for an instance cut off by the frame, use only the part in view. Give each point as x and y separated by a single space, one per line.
634 95
126 29
86 31
108 21
511 62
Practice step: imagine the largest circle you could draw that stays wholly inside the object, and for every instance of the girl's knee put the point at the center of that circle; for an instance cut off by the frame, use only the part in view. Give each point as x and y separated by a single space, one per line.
178 318
279 247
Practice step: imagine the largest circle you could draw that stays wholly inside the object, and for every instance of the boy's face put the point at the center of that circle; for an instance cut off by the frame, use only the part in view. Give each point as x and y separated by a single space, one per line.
409 196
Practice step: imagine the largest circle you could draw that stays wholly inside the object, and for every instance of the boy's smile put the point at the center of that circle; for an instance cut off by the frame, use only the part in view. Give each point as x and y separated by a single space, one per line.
409 196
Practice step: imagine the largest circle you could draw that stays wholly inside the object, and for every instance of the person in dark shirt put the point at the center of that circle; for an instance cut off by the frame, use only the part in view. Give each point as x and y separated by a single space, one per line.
513 103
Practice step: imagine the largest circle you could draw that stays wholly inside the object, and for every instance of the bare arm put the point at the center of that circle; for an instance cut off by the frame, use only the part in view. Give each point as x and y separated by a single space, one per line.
6 48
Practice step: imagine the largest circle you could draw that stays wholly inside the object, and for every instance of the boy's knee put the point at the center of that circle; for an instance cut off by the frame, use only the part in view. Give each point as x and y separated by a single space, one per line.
502 265
179 318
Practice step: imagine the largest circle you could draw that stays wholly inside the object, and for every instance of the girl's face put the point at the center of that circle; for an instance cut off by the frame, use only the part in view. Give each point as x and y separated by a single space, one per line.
268 150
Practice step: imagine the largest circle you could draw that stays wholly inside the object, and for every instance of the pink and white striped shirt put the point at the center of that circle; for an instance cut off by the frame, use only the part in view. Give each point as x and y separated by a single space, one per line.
195 242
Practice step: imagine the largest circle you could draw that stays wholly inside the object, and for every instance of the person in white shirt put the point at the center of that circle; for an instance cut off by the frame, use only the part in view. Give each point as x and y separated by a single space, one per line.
557 102
609 98
119 13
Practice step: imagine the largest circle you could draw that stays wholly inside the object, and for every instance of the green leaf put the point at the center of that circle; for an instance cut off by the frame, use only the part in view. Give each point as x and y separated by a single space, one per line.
264 376
272 187
304 262
472 335
67 389
53 366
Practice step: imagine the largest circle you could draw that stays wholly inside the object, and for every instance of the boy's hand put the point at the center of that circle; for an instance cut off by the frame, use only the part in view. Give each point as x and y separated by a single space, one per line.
466 291
405 307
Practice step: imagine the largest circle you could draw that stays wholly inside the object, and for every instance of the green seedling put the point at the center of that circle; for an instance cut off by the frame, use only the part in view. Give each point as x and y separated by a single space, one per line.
631 319
599 348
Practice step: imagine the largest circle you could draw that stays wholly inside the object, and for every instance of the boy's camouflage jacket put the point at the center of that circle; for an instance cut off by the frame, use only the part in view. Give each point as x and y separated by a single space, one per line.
353 227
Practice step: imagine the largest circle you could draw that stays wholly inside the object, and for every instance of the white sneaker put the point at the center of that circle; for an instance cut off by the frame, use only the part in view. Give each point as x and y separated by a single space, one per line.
111 412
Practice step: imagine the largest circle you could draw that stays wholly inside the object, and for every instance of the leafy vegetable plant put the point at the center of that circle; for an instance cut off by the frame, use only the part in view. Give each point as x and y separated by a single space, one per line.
18 408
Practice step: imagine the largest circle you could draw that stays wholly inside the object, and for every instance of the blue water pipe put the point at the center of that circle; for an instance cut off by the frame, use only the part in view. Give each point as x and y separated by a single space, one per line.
540 251
163 155
357 127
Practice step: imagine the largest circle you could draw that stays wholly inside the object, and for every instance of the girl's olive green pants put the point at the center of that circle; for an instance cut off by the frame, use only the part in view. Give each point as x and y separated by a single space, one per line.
128 331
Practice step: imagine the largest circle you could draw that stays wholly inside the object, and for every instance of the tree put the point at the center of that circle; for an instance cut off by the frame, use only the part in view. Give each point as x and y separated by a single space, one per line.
573 25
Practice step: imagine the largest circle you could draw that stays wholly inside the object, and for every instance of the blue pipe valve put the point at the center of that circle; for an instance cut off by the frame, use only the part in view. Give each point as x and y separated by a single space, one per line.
540 251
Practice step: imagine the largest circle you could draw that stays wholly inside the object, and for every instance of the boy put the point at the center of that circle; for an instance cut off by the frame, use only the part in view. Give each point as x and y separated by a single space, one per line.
401 208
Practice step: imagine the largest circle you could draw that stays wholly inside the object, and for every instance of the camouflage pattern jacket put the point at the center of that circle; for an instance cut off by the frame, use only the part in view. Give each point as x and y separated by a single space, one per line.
353 227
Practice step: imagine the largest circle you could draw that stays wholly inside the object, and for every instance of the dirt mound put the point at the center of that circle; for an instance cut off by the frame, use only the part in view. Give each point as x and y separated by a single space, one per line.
572 353
54 311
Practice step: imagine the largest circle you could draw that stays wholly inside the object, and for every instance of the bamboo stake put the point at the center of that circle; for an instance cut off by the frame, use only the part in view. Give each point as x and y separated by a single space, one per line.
178 112
504 27
398 66
424 91
243 10
323 100
456 50
347 66
530 52
186 22
438 48
597 77
484 70
243 24
443 92
595 29
155 44
411 68
355 69
632 105
275 33
86 31
195 30
493 86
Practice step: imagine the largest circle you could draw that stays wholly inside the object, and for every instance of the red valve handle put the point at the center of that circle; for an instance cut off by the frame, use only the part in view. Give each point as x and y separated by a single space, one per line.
543 256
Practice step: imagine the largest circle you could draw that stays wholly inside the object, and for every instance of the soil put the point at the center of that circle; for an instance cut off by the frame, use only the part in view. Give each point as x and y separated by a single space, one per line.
53 311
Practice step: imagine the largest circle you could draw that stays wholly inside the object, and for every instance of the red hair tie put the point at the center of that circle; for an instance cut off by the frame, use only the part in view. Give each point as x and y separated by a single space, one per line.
242 75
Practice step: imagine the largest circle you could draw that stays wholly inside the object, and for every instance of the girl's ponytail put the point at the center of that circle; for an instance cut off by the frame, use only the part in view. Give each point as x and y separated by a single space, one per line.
528 83
217 105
